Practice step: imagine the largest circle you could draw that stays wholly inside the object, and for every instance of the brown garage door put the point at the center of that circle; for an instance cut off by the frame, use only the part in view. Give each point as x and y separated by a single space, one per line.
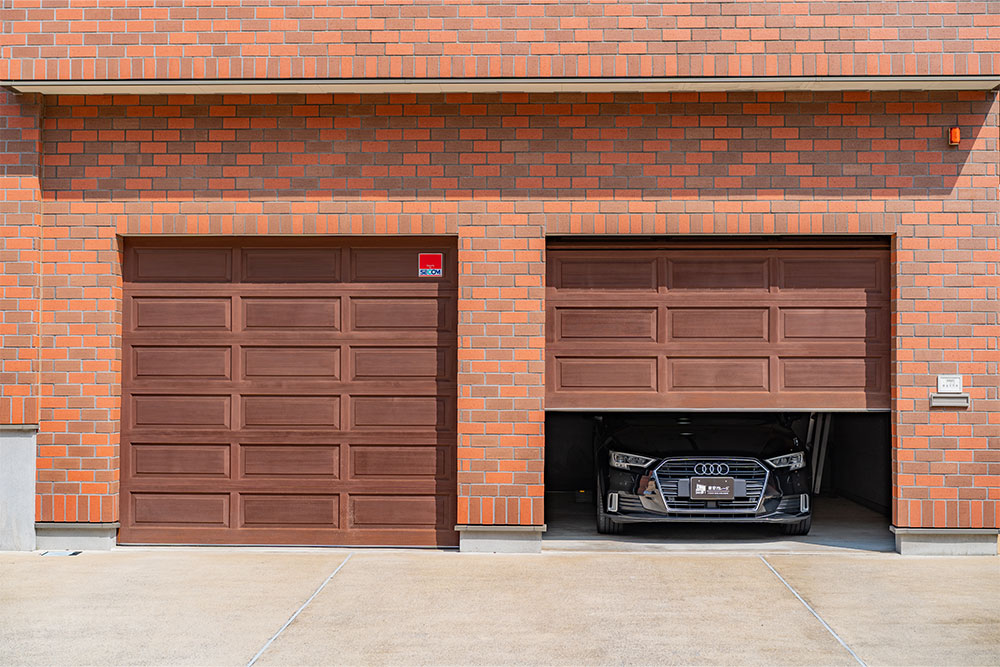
720 328
288 393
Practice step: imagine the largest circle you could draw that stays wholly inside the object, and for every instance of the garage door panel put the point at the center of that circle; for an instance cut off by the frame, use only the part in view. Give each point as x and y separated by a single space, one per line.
254 407
181 265
401 314
746 328
291 411
745 324
372 462
834 323
189 459
609 374
176 361
321 363
290 313
397 265
289 460
833 374
180 411
291 265
279 510
627 324
717 273
201 509
712 374
370 412
602 273
386 511
181 313
822 272
384 363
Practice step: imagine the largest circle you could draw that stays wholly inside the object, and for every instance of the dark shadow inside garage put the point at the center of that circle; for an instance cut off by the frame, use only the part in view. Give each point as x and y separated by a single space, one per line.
850 512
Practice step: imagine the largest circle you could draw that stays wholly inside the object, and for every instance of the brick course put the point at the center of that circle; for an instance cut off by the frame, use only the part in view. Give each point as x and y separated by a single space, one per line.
501 171
192 39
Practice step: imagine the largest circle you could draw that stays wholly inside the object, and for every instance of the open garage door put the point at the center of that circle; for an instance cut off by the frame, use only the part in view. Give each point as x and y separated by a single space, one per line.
723 326
297 392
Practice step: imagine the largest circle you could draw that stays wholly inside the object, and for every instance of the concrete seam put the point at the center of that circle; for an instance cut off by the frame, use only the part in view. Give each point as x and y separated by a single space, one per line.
297 612
813 612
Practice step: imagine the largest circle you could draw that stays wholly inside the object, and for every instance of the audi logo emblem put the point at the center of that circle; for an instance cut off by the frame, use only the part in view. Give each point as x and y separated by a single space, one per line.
711 469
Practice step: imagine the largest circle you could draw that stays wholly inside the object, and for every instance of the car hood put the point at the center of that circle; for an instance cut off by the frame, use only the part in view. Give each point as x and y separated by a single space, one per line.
759 441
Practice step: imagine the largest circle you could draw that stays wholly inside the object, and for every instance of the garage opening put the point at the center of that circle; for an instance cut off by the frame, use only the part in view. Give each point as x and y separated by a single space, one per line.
709 342
850 494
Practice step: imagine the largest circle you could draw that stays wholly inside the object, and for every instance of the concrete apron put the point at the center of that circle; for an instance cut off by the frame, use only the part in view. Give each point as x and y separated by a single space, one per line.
228 606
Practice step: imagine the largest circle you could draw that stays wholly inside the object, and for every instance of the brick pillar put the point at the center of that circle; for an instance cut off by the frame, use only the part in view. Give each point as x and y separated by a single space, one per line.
946 459
501 377
20 224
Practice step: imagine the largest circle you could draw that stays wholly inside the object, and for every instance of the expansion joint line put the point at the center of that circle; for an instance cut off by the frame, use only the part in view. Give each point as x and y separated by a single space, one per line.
297 612
813 612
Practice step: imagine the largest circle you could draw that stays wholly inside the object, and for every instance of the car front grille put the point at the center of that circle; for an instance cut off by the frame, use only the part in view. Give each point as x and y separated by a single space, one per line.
672 474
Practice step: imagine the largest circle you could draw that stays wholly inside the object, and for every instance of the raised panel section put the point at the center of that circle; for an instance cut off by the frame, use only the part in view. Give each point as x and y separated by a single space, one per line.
706 374
832 374
386 363
718 323
291 411
202 363
181 313
181 509
839 323
717 273
290 510
302 362
376 313
404 511
399 411
291 313
186 460
180 411
399 265
286 460
291 265
182 265
631 324
400 461
826 273
608 374
627 273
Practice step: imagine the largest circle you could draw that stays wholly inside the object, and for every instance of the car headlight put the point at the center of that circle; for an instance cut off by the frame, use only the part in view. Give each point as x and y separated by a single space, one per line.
790 461
626 461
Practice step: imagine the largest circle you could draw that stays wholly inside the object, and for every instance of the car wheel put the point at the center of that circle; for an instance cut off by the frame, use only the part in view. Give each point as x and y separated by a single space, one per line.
800 527
605 526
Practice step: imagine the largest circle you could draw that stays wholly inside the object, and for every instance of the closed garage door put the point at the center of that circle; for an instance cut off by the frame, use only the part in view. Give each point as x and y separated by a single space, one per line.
288 393
718 327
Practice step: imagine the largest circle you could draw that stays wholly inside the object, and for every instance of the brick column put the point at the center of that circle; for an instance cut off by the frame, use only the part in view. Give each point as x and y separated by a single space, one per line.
946 460
20 225
501 377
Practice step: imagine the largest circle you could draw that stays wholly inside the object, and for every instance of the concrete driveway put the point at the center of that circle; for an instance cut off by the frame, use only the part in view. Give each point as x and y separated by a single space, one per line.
231 607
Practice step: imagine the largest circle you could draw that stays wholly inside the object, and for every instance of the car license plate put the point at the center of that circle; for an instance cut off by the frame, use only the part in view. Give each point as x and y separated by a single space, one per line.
712 488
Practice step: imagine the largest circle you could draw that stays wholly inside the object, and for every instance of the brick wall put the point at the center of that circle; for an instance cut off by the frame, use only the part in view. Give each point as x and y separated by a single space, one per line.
192 39
20 227
500 171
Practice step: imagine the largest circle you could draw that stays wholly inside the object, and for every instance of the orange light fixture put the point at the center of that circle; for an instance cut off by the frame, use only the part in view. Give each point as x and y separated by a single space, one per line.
954 136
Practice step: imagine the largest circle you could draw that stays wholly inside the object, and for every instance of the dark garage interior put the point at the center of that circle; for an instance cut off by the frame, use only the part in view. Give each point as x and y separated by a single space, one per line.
851 510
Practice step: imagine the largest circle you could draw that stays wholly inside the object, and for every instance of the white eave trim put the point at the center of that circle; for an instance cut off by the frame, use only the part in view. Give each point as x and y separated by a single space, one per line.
501 85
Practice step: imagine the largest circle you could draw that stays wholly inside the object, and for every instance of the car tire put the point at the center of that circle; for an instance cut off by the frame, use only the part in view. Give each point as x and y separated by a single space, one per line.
800 527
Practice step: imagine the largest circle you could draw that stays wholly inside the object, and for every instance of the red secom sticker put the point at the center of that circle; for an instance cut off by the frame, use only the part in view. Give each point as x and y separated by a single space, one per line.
431 265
